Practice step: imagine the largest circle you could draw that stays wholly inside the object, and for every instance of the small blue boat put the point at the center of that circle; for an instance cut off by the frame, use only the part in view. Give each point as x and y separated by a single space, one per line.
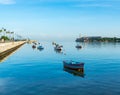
73 65
40 47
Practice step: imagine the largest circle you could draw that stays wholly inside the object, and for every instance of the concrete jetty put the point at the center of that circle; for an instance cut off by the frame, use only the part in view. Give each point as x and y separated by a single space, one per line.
10 46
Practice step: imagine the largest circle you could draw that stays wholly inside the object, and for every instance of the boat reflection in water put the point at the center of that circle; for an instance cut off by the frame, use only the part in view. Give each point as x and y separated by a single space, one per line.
40 49
79 72
78 46
33 46
59 51
73 67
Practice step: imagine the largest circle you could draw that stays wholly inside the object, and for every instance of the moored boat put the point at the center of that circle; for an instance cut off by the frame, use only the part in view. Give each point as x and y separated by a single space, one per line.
79 46
40 47
57 47
33 46
73 65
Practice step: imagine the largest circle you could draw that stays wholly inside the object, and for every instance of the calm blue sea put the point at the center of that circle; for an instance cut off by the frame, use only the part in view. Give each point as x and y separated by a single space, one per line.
33 72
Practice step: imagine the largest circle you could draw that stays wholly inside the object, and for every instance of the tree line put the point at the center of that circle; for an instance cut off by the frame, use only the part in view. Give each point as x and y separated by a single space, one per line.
6 34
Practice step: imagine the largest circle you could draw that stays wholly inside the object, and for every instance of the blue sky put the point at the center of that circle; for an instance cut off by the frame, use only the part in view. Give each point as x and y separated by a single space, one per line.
61 19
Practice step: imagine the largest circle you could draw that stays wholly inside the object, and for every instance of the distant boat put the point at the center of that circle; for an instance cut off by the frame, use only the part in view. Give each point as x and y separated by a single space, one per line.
40 47
33 46
78 46
57 47
73 65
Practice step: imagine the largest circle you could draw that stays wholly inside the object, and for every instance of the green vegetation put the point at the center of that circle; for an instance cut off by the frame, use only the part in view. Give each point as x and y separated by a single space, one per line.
98 39
9 36
114 39
4 37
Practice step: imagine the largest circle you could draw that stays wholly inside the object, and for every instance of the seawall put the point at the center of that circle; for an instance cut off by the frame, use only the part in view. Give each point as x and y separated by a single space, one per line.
5 48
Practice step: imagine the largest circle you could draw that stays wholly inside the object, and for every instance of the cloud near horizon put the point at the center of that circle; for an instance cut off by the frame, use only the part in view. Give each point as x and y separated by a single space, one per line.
7 2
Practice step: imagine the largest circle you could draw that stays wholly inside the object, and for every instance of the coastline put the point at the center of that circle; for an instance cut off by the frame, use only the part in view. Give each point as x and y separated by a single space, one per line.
9 47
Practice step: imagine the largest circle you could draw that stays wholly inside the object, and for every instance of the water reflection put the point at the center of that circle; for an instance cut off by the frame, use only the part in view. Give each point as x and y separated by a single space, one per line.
42 73
78 48
40 49
5 55
33 46
58 51
96 44
75 72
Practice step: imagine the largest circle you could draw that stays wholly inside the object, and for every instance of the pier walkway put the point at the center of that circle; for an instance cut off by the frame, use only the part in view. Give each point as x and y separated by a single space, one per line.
4 47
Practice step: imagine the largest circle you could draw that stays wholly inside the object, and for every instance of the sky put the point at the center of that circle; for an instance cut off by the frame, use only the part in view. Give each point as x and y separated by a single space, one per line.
61 19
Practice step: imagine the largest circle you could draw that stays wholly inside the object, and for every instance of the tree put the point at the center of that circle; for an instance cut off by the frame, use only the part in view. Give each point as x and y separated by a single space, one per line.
12 35
0 32
5 38
8 34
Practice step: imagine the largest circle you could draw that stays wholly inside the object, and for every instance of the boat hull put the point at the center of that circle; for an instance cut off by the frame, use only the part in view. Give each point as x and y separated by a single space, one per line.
33 46
40 47
69 65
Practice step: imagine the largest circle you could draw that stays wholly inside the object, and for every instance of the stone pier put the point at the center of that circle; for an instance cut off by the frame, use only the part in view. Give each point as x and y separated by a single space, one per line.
9 47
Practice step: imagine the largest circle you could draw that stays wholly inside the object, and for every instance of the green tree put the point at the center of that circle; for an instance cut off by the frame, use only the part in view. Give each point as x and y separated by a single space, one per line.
0 33
5 38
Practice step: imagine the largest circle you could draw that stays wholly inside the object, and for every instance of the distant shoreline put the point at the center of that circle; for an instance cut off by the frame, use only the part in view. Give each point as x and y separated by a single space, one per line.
97 39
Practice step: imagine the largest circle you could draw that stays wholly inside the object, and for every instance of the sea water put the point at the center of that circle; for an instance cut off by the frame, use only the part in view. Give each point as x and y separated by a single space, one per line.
31 71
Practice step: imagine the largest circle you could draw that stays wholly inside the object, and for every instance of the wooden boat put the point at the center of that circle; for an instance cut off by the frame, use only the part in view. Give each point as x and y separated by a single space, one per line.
73 65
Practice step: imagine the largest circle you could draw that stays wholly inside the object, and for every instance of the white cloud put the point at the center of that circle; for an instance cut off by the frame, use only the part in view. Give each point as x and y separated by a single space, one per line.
7 2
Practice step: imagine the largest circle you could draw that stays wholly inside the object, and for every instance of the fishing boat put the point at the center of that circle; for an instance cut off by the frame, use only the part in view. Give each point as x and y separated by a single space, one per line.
73 65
